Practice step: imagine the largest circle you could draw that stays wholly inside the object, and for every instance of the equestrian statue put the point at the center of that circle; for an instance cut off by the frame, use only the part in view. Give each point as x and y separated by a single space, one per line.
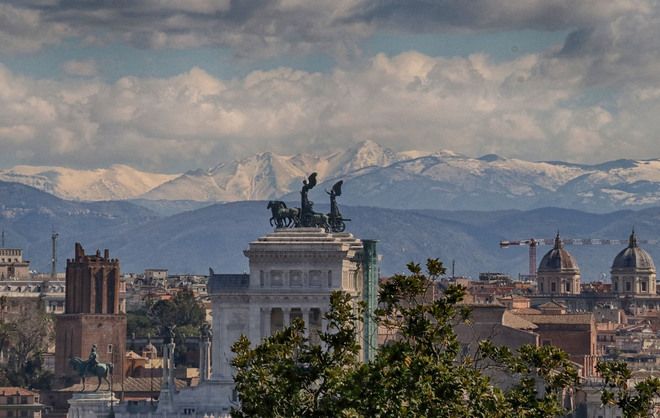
92 367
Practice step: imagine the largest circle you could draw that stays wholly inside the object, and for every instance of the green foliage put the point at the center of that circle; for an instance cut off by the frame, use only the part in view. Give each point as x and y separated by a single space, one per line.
418 374
635 402
182 310
286 376
139 324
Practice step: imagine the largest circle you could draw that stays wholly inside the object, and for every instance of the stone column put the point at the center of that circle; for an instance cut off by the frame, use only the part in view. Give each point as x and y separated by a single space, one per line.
167 388
286 315
204 358
266 314
305 315
324 322
254 323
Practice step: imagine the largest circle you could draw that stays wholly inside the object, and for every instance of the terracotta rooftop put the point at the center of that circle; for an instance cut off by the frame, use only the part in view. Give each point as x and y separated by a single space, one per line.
526 311
559 319
131 384
14 391
514 321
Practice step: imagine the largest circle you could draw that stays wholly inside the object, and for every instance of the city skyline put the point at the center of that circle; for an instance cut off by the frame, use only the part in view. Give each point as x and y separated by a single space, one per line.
170 86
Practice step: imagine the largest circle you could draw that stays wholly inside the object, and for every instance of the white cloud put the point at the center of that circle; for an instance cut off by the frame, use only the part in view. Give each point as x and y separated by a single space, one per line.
81 68
529 107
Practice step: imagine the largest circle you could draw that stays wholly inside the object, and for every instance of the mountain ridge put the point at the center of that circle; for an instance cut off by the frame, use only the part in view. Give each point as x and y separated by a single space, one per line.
372 175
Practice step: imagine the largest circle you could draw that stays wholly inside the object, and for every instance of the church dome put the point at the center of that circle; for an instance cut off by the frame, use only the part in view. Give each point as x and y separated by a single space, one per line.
633 258
558 260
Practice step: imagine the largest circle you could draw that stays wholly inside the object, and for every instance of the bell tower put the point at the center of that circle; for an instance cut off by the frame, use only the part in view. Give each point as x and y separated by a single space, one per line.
93 313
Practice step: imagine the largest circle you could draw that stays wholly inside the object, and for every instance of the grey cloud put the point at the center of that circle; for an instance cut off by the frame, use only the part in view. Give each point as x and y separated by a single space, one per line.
267 27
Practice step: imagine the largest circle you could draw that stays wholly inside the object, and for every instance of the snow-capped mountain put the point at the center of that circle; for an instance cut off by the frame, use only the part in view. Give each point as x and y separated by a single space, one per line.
373 176
452 181
269 176
117 182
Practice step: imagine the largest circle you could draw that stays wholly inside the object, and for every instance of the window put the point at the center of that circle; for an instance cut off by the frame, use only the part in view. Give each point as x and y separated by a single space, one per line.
628 286
261 278
643 286
315 278
616 286
568 286
295 278
276 278
188 411
109 348
541 287
553 287
547 342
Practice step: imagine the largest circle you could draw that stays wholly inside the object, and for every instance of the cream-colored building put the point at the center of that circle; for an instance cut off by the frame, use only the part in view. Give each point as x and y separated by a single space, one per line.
558 272
292 275
12 265
633 271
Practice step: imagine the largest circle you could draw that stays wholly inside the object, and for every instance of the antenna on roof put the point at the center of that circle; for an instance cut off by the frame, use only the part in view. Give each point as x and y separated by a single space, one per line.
3 239
53 259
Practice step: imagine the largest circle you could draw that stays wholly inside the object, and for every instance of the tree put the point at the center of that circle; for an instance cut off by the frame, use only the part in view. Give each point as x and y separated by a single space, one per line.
183 309
419 373
635 402
286 376
26 340
139 324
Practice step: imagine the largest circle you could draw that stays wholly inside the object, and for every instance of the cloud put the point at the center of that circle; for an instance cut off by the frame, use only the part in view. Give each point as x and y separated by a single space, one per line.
29 30
81 68
538 104
271 27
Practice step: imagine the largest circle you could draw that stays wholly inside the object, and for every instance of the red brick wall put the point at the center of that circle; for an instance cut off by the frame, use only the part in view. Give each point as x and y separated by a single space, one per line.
75 334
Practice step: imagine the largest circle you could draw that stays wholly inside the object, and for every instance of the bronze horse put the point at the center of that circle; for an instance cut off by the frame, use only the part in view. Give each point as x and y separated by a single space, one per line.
282 216
100 370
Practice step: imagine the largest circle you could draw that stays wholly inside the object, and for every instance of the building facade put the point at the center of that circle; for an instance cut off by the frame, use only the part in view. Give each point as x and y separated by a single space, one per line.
19 402
558 272
12 265
633 271
292 275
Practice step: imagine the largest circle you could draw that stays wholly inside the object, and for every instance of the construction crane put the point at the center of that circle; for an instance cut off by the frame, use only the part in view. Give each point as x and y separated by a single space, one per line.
532 243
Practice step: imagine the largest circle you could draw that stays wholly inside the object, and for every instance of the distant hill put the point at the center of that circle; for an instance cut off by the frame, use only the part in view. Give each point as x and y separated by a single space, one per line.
28 217
215 236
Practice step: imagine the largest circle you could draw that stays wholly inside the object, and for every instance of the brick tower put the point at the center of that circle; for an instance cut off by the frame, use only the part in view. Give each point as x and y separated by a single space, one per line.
92 315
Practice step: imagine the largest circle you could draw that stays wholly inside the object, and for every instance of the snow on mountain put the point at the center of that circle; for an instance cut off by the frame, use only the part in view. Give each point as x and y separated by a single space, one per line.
117 182
269 176
492 182
374 176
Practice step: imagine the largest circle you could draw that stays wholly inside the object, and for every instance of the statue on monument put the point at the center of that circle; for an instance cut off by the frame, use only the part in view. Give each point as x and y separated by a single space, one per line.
205 331
305 216
168 334
92 367
335 220
309 218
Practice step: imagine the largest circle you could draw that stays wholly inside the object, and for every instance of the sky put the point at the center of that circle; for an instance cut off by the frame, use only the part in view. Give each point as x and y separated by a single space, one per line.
174 85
